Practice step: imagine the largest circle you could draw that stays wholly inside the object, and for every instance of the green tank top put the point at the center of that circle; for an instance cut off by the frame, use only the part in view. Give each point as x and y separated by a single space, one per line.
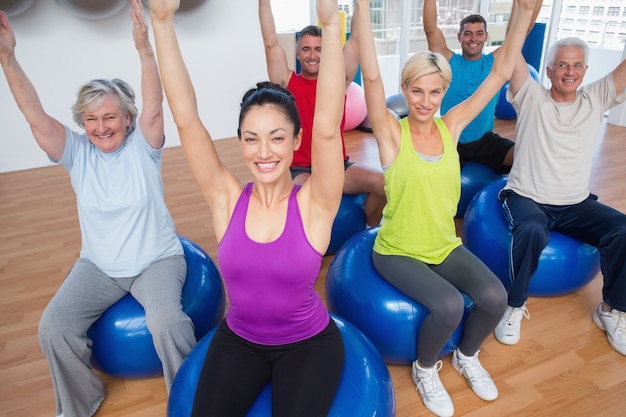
422 199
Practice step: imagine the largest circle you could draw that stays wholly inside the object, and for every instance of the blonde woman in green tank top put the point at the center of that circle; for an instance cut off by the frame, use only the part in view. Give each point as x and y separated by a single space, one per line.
417 249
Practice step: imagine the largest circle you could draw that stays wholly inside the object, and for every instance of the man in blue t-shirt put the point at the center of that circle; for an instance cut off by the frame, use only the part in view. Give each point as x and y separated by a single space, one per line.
477 142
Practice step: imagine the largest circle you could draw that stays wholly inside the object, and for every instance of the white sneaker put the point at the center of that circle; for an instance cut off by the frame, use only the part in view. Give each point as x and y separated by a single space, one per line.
614 323
479 380
434 395
508 330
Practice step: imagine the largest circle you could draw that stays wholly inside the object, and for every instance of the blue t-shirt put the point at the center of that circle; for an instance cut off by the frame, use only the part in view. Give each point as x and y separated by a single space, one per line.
467 76
124 222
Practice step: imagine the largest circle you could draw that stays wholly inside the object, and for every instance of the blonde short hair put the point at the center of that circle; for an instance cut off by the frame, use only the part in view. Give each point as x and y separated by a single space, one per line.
426 63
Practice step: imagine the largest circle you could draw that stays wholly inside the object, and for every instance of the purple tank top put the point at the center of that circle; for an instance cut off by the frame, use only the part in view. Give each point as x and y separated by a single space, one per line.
271 285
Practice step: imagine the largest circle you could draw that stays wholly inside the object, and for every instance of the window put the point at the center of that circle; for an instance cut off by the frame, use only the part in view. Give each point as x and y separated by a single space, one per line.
613 11
584 10
598 10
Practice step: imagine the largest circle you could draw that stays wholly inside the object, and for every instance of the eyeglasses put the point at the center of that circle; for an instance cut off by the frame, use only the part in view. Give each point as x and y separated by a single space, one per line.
578 66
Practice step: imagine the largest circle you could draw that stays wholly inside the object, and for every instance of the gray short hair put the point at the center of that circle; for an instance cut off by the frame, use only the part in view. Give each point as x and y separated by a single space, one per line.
91 95
564 43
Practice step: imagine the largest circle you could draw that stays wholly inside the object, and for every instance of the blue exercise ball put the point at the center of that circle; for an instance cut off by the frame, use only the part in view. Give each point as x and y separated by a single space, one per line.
122 344
397 104
388 317
504 109
565 265
350 220
474 176
365 388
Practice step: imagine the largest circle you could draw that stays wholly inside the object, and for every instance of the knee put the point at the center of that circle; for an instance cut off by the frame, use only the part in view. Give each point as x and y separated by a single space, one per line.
46 329
379 186
449 310
373 183
492 298
532 231
165 323
615 238
54 327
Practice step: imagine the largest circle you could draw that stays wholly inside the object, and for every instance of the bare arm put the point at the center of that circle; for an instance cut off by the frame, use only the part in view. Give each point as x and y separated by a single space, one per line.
277 67
505 62
533 19
48 132
327 171
219 187
151 117
434 35
351 49
384 126
520 73
619 77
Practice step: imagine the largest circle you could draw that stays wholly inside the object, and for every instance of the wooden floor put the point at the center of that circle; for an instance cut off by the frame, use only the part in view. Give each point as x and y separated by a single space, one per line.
563 366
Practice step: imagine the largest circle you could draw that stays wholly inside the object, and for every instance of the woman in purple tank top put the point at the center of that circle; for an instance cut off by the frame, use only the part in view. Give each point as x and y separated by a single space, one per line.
272 234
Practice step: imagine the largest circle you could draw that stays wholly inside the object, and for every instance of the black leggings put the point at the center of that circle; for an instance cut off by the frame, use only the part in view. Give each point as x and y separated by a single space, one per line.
304 375
438 288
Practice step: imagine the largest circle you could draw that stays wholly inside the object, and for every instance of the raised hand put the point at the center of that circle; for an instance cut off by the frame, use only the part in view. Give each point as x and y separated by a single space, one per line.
140 28
7 37
163 9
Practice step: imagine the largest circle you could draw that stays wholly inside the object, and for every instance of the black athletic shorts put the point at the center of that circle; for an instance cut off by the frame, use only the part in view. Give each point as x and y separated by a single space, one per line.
489 150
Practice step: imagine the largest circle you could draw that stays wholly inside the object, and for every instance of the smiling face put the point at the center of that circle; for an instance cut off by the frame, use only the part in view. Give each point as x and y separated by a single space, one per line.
309 53
106 125
267 142
472 37
424 95
566 73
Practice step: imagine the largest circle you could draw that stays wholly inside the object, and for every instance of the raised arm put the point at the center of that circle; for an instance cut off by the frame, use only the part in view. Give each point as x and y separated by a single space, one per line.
277 67
48 132
434 35
151 117
351 49
216 182
326 181
506 60
619 77
533 19
384 125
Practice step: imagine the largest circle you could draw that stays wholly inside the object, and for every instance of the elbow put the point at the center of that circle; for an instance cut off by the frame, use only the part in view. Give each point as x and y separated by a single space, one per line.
370 77
501 78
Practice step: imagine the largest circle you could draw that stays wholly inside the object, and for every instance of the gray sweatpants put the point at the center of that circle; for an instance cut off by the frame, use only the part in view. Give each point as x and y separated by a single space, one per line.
438 288
82 298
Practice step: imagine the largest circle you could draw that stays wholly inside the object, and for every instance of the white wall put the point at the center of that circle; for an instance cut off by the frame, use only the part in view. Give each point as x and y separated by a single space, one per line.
221 44
617 115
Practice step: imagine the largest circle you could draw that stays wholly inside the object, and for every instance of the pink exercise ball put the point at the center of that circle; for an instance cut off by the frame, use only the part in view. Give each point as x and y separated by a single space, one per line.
356 111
